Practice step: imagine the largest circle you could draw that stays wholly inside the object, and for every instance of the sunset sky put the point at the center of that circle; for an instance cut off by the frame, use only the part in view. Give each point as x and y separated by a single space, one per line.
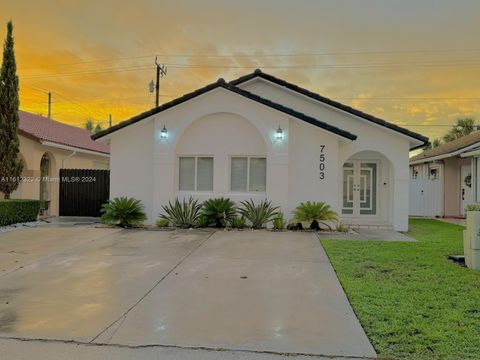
415 63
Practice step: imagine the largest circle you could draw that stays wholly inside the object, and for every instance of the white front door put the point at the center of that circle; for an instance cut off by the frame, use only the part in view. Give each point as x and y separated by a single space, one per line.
360 186
465 187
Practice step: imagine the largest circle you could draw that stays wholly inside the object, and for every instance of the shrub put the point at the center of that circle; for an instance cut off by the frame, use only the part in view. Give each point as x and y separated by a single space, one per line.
162 223
202 222
218 212
184 214
258 215
473 207
123 211
279 222
18 210
315 213
342 228
238 222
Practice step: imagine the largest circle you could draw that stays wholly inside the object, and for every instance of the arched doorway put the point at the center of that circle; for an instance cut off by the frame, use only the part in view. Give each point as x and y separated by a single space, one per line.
367 188
45 188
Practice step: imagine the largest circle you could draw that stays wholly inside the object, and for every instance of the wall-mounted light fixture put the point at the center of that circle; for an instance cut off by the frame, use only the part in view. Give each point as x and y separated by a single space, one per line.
164 133
279 133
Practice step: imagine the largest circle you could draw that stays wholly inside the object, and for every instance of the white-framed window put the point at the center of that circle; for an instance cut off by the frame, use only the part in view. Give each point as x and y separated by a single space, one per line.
248 174
195 173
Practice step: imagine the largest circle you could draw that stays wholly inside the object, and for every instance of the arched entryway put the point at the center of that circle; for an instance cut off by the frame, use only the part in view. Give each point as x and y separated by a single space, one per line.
367 188
45 181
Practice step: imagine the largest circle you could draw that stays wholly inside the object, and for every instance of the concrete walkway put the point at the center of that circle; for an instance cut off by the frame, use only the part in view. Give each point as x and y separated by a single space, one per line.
251 293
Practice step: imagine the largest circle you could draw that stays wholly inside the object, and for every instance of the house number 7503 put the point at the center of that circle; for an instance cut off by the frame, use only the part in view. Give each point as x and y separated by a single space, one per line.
321 165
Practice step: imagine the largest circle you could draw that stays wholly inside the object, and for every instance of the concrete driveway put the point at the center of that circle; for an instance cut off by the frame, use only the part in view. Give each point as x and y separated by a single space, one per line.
258 292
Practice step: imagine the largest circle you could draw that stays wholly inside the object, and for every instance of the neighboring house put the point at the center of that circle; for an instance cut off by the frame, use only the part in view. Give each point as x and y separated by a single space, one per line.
47 146
443 180
261 137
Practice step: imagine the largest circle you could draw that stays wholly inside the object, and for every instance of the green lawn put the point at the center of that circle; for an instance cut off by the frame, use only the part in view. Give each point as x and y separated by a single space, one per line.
411 300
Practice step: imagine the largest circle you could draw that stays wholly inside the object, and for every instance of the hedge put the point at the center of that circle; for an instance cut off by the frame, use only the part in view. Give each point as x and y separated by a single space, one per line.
18 211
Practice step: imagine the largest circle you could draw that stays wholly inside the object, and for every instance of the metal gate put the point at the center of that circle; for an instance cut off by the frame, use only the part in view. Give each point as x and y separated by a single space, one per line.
83 191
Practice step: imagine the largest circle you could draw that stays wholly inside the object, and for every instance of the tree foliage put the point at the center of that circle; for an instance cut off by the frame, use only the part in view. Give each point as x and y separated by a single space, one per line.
434 143
90 126
11 165
461 128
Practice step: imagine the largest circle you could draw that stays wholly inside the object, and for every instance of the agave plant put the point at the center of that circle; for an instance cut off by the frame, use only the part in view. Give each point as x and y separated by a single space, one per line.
182 214
258 214
218 212
315 213
123 211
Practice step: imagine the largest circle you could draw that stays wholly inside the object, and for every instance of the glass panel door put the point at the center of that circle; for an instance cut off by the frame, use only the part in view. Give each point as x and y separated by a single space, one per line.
368 188
360 188
348 188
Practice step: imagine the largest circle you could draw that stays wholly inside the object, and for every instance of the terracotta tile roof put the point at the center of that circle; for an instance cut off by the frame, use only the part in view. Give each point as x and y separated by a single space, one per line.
43 129
449 147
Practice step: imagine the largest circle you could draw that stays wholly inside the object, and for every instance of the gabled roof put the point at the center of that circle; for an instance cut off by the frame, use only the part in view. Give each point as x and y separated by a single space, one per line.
42 129
222 84
258 73
448 149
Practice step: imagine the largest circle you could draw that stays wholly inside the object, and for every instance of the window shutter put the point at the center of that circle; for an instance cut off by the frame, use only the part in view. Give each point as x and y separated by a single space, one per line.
187 174
204 174
238 176
258 174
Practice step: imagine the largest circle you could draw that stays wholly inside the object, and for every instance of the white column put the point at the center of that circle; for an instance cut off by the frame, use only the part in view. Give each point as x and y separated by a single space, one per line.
400 198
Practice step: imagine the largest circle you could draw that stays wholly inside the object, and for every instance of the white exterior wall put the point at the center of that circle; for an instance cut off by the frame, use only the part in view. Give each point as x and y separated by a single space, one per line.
304 173
371 137
223 124
131 164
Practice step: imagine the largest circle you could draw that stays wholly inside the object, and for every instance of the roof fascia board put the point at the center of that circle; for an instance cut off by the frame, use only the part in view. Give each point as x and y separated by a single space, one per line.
447 155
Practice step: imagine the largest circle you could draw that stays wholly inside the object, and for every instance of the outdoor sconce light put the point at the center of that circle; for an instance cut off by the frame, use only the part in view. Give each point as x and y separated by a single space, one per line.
164 133
279 134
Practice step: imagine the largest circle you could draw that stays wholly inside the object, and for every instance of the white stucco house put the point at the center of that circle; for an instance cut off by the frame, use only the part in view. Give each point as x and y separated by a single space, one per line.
260 137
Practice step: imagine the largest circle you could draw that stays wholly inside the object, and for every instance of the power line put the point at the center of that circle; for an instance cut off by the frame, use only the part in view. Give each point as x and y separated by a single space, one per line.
232 56
229 67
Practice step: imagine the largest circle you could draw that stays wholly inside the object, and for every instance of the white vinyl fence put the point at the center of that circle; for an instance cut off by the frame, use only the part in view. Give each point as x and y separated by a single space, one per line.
426 190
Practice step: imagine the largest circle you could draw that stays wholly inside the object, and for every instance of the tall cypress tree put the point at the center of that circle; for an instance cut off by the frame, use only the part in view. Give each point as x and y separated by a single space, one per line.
10 165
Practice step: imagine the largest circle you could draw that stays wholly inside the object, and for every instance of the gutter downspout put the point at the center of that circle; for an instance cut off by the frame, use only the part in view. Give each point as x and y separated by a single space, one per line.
68 157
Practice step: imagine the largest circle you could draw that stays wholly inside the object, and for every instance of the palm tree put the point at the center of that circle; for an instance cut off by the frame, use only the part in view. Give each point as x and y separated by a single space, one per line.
89 125
434 143
461 128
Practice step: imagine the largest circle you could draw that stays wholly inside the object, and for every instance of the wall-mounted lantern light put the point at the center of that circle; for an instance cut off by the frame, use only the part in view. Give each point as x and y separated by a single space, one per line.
164 133
279 133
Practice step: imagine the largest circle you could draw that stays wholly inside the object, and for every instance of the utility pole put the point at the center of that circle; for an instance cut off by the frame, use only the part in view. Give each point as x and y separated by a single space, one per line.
161 72
109 120
49 105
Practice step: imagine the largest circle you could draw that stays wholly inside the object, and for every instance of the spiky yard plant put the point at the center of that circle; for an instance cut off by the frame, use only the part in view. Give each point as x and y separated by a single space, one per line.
258 214
123 211
279 222
315 213
218 212
182 214
238 222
